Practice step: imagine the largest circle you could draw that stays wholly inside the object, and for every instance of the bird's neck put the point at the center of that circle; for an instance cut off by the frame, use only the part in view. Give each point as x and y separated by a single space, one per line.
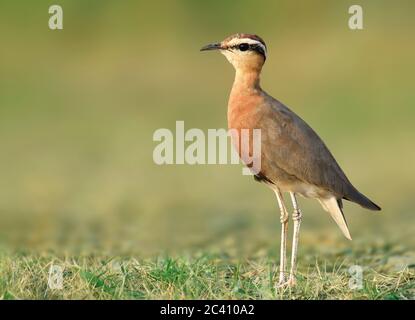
246 80
246 94
246 87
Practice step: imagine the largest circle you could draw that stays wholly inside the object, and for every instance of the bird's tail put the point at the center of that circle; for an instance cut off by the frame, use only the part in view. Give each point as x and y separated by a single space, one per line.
357 197
332 206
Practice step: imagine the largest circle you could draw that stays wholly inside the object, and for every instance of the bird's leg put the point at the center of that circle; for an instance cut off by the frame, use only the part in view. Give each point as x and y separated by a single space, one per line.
297 222
284 232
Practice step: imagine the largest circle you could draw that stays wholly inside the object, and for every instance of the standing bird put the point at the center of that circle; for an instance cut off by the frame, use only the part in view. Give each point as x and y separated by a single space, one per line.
294 159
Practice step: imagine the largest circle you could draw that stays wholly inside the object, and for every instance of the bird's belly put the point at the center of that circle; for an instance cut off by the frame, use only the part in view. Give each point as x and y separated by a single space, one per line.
304 189
307 190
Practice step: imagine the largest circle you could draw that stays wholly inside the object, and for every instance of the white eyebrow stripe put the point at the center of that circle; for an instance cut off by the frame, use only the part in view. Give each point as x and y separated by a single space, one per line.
236 41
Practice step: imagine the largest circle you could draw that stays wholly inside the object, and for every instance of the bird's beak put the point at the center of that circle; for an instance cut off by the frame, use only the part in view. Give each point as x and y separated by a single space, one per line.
212 46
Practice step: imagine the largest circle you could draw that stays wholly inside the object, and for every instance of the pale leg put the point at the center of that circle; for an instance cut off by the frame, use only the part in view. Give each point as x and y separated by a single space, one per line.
284 231
297 222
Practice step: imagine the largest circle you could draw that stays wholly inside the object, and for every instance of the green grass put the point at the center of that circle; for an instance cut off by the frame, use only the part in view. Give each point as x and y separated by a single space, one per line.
386 275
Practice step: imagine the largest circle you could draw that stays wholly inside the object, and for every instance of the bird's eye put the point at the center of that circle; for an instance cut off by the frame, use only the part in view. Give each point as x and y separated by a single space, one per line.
243 46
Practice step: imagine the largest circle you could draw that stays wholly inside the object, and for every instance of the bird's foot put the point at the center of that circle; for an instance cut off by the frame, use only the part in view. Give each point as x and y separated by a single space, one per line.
291 282
282 279
281 283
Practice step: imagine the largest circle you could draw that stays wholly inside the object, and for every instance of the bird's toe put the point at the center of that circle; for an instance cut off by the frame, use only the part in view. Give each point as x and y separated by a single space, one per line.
290 283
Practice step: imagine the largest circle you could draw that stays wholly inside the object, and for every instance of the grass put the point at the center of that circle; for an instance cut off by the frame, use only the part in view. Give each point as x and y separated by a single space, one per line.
207 276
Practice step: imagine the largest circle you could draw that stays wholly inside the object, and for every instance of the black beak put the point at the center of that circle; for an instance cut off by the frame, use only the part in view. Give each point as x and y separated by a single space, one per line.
212 46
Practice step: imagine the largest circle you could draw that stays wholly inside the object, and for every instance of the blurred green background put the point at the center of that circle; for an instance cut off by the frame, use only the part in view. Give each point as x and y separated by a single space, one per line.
78 109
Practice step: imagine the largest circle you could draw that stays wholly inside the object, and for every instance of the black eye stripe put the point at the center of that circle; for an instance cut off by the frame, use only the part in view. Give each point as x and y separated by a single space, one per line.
238 46
253 47
259 49
249 46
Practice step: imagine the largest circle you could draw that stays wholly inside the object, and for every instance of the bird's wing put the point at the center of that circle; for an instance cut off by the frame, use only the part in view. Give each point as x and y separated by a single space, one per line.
296 148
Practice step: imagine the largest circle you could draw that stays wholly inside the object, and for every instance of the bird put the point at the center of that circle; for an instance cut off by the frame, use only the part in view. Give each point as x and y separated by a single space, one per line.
294 159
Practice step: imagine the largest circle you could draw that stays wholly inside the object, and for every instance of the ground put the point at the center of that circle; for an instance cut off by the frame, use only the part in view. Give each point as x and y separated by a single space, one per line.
388 273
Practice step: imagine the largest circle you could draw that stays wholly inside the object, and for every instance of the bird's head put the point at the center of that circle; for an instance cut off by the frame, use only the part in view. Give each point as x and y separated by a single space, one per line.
244 51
